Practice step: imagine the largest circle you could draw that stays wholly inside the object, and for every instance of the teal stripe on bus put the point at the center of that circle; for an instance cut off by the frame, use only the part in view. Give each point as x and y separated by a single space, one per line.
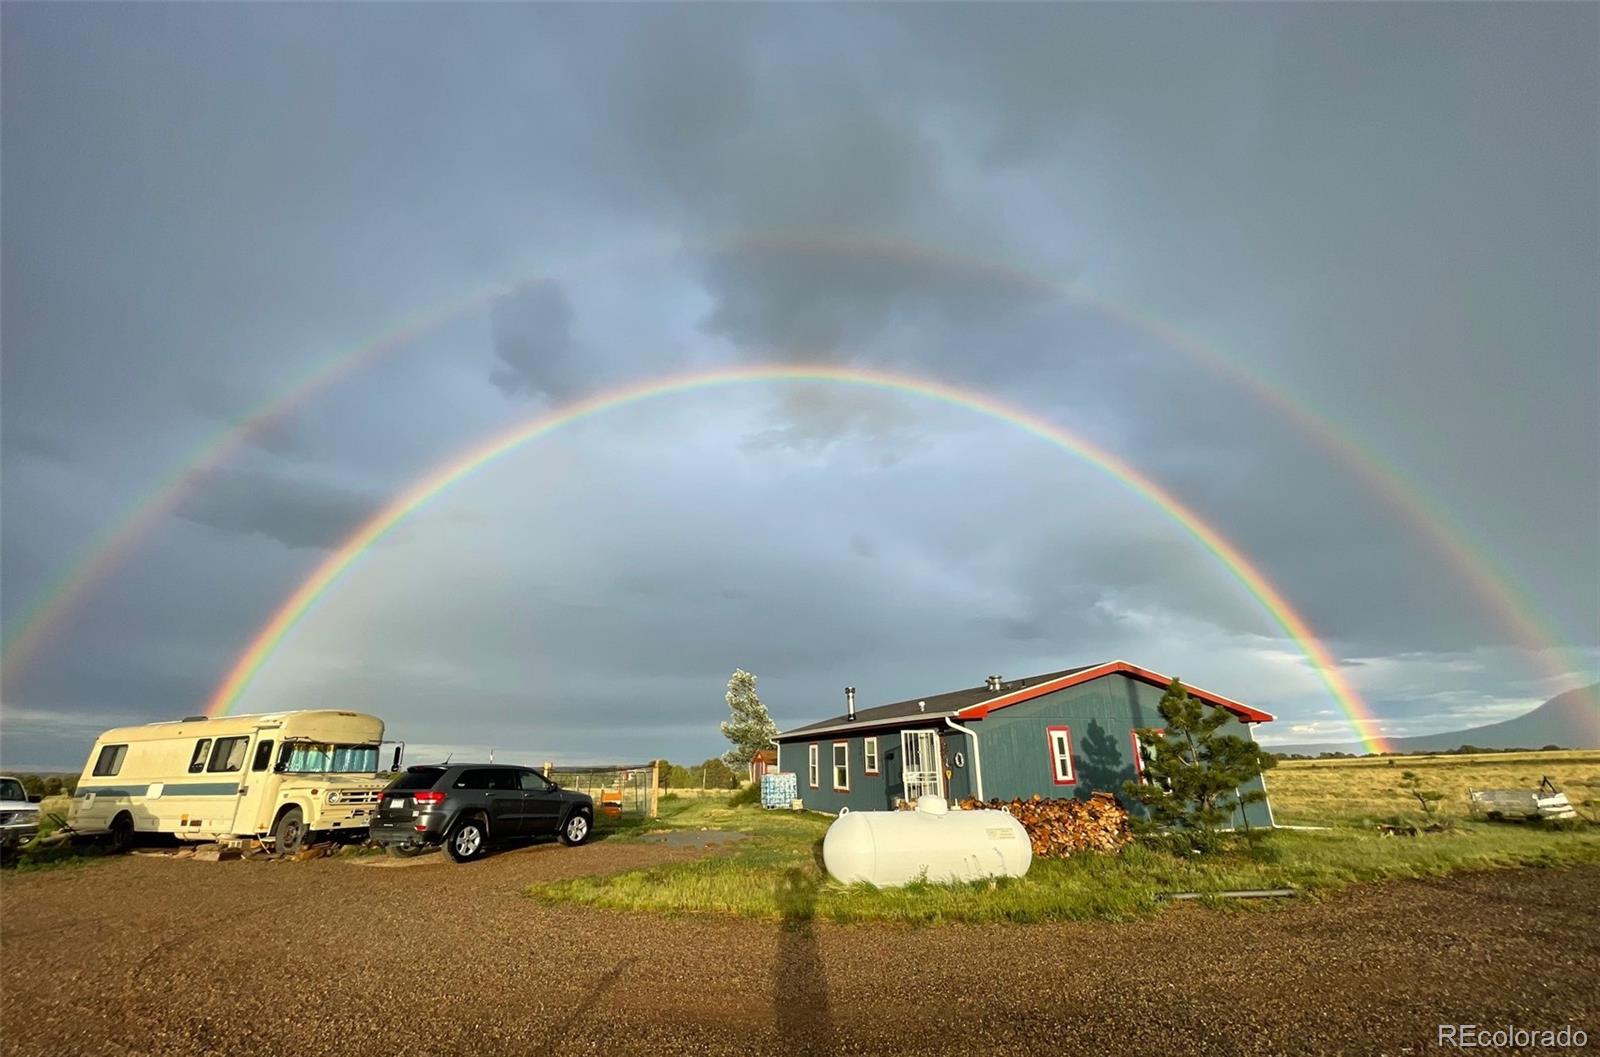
172 789
110 790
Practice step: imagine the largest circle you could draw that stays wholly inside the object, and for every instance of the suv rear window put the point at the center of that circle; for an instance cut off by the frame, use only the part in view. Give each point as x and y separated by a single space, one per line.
418 778
488 778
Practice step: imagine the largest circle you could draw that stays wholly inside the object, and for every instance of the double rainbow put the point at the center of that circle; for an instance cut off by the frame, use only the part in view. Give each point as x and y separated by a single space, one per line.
298 604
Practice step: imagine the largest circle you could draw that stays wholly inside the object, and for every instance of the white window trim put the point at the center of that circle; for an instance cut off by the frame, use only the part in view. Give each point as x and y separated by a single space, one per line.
869 754
1060 742
814 765
837 766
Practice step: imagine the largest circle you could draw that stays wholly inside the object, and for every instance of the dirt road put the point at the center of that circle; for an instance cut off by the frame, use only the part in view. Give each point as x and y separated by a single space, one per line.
159 956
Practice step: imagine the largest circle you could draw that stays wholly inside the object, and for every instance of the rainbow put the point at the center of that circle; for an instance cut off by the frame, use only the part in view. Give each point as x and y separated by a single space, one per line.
41 619
297 605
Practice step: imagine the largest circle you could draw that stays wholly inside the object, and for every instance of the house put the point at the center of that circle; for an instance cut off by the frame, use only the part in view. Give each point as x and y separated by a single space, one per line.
1062 734
763 761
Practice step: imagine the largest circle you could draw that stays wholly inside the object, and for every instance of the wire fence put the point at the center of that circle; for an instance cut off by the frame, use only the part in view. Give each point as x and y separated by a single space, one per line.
618 789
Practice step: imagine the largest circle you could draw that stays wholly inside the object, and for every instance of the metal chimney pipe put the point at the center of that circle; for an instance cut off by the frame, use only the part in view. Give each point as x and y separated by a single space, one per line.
850 703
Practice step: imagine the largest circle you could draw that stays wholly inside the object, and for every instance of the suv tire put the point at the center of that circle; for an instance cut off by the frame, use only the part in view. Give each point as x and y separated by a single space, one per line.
407 850
467 841
576 829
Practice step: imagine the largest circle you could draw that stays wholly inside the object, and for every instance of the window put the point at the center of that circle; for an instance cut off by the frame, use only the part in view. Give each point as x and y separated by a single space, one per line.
869 755
11 789
1060 739
263 756
317 757
813 768
197 762
418 778
841 766
534 782
110 761
228 754
490 778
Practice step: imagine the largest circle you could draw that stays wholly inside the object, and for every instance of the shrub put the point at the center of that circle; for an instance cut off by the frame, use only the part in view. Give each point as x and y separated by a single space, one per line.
749 796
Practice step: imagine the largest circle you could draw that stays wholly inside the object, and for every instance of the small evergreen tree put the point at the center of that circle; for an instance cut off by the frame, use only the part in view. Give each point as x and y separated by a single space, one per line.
1194 774
1411 782
750 729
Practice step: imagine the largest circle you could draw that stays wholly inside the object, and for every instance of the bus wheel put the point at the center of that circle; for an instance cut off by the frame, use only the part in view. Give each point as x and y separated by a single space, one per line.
290 832
121 836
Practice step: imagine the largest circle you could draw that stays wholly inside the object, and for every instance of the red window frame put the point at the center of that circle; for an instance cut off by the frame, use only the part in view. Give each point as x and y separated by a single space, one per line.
1050 744
833 768
814 765
874 757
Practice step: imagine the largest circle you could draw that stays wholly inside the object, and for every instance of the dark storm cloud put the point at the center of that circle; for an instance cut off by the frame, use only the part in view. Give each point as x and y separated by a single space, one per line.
295 512
534 344
1388 212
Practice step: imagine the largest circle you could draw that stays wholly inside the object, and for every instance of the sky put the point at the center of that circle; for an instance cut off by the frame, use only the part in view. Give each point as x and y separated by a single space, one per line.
1385 217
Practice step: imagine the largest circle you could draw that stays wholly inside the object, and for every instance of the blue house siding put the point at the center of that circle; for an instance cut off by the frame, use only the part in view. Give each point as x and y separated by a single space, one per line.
1100 717
871 792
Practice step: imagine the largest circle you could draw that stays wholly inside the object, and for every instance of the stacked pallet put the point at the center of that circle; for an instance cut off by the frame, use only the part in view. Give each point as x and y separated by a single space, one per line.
1059 828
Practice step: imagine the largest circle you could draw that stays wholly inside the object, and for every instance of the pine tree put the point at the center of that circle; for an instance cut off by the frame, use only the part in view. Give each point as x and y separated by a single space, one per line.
750 729
1193 775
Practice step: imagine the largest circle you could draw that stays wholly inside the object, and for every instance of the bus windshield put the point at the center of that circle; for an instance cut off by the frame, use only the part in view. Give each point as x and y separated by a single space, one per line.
320 757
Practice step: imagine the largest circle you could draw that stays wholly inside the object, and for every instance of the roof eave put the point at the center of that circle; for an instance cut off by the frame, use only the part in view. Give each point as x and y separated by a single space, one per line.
892 722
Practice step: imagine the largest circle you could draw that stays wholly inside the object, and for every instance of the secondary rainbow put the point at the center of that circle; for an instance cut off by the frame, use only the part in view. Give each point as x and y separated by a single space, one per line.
295 607
46 614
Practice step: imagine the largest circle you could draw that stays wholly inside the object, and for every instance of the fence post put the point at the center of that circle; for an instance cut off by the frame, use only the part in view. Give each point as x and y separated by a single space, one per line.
548 767
655 788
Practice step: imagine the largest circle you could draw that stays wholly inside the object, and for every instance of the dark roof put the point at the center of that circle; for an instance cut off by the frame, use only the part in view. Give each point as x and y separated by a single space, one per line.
939 705
978 701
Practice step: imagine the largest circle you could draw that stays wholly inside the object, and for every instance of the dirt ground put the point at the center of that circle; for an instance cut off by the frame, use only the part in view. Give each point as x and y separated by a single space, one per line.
147 955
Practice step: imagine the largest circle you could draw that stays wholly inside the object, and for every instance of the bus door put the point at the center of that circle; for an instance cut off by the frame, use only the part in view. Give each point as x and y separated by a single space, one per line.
257 785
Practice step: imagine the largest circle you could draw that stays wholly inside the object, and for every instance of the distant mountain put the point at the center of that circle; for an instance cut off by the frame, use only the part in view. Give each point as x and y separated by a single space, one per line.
1571 720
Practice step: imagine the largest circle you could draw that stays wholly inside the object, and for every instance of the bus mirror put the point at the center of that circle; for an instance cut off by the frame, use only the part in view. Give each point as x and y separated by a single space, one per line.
399 750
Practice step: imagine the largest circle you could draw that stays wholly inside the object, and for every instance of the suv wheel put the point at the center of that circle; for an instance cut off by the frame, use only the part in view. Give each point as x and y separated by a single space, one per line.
405 850
576 829
467 841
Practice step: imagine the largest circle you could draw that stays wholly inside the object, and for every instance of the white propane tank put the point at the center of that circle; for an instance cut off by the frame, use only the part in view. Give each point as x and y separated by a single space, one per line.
892 848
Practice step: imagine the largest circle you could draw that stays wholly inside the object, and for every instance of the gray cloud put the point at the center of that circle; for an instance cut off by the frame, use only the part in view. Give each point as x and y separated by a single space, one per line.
534 344
1387 213
295 512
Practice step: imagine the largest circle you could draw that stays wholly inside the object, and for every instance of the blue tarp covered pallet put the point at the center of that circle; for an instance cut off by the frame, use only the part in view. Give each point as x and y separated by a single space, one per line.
779 789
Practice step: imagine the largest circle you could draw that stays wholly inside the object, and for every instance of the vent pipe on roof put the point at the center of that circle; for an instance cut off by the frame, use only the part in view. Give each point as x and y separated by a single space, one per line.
850 703
993 682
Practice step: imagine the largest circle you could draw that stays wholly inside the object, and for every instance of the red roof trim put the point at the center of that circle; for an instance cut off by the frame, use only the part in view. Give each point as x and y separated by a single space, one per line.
1145 675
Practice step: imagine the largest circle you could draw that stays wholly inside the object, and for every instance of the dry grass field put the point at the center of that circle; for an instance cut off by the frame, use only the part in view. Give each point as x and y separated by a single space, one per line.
1319 792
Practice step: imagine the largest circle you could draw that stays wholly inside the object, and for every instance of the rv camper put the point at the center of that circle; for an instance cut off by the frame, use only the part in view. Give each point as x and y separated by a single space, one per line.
281 777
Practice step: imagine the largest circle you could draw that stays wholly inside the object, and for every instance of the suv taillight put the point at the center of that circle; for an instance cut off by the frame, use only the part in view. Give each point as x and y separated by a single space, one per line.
428 796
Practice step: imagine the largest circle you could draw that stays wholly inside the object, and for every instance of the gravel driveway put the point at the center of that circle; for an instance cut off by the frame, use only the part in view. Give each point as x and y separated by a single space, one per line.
158 956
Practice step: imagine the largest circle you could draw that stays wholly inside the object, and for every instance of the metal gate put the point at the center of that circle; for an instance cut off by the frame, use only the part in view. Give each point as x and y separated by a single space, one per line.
922 773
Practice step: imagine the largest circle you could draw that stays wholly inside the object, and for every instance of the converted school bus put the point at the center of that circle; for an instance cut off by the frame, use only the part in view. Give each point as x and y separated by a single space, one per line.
1063 734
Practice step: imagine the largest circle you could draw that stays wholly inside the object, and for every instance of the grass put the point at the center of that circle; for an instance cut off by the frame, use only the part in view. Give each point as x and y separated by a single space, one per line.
776 874
1332 792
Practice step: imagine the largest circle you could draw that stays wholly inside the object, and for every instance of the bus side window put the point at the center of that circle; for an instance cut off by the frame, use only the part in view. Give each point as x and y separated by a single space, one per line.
263 756
228 754
197 762
110 761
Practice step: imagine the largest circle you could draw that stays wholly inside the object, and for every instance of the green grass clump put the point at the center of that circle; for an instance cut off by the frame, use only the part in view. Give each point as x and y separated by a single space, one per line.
776 874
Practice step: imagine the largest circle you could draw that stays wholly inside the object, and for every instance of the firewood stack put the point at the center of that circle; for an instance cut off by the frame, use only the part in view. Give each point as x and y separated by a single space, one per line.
1059 828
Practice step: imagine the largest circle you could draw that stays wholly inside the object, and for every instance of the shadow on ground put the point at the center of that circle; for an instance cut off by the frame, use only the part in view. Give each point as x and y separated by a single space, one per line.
799 982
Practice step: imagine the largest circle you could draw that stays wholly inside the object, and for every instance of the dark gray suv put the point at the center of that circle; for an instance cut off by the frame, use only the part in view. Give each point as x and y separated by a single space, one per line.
465 806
